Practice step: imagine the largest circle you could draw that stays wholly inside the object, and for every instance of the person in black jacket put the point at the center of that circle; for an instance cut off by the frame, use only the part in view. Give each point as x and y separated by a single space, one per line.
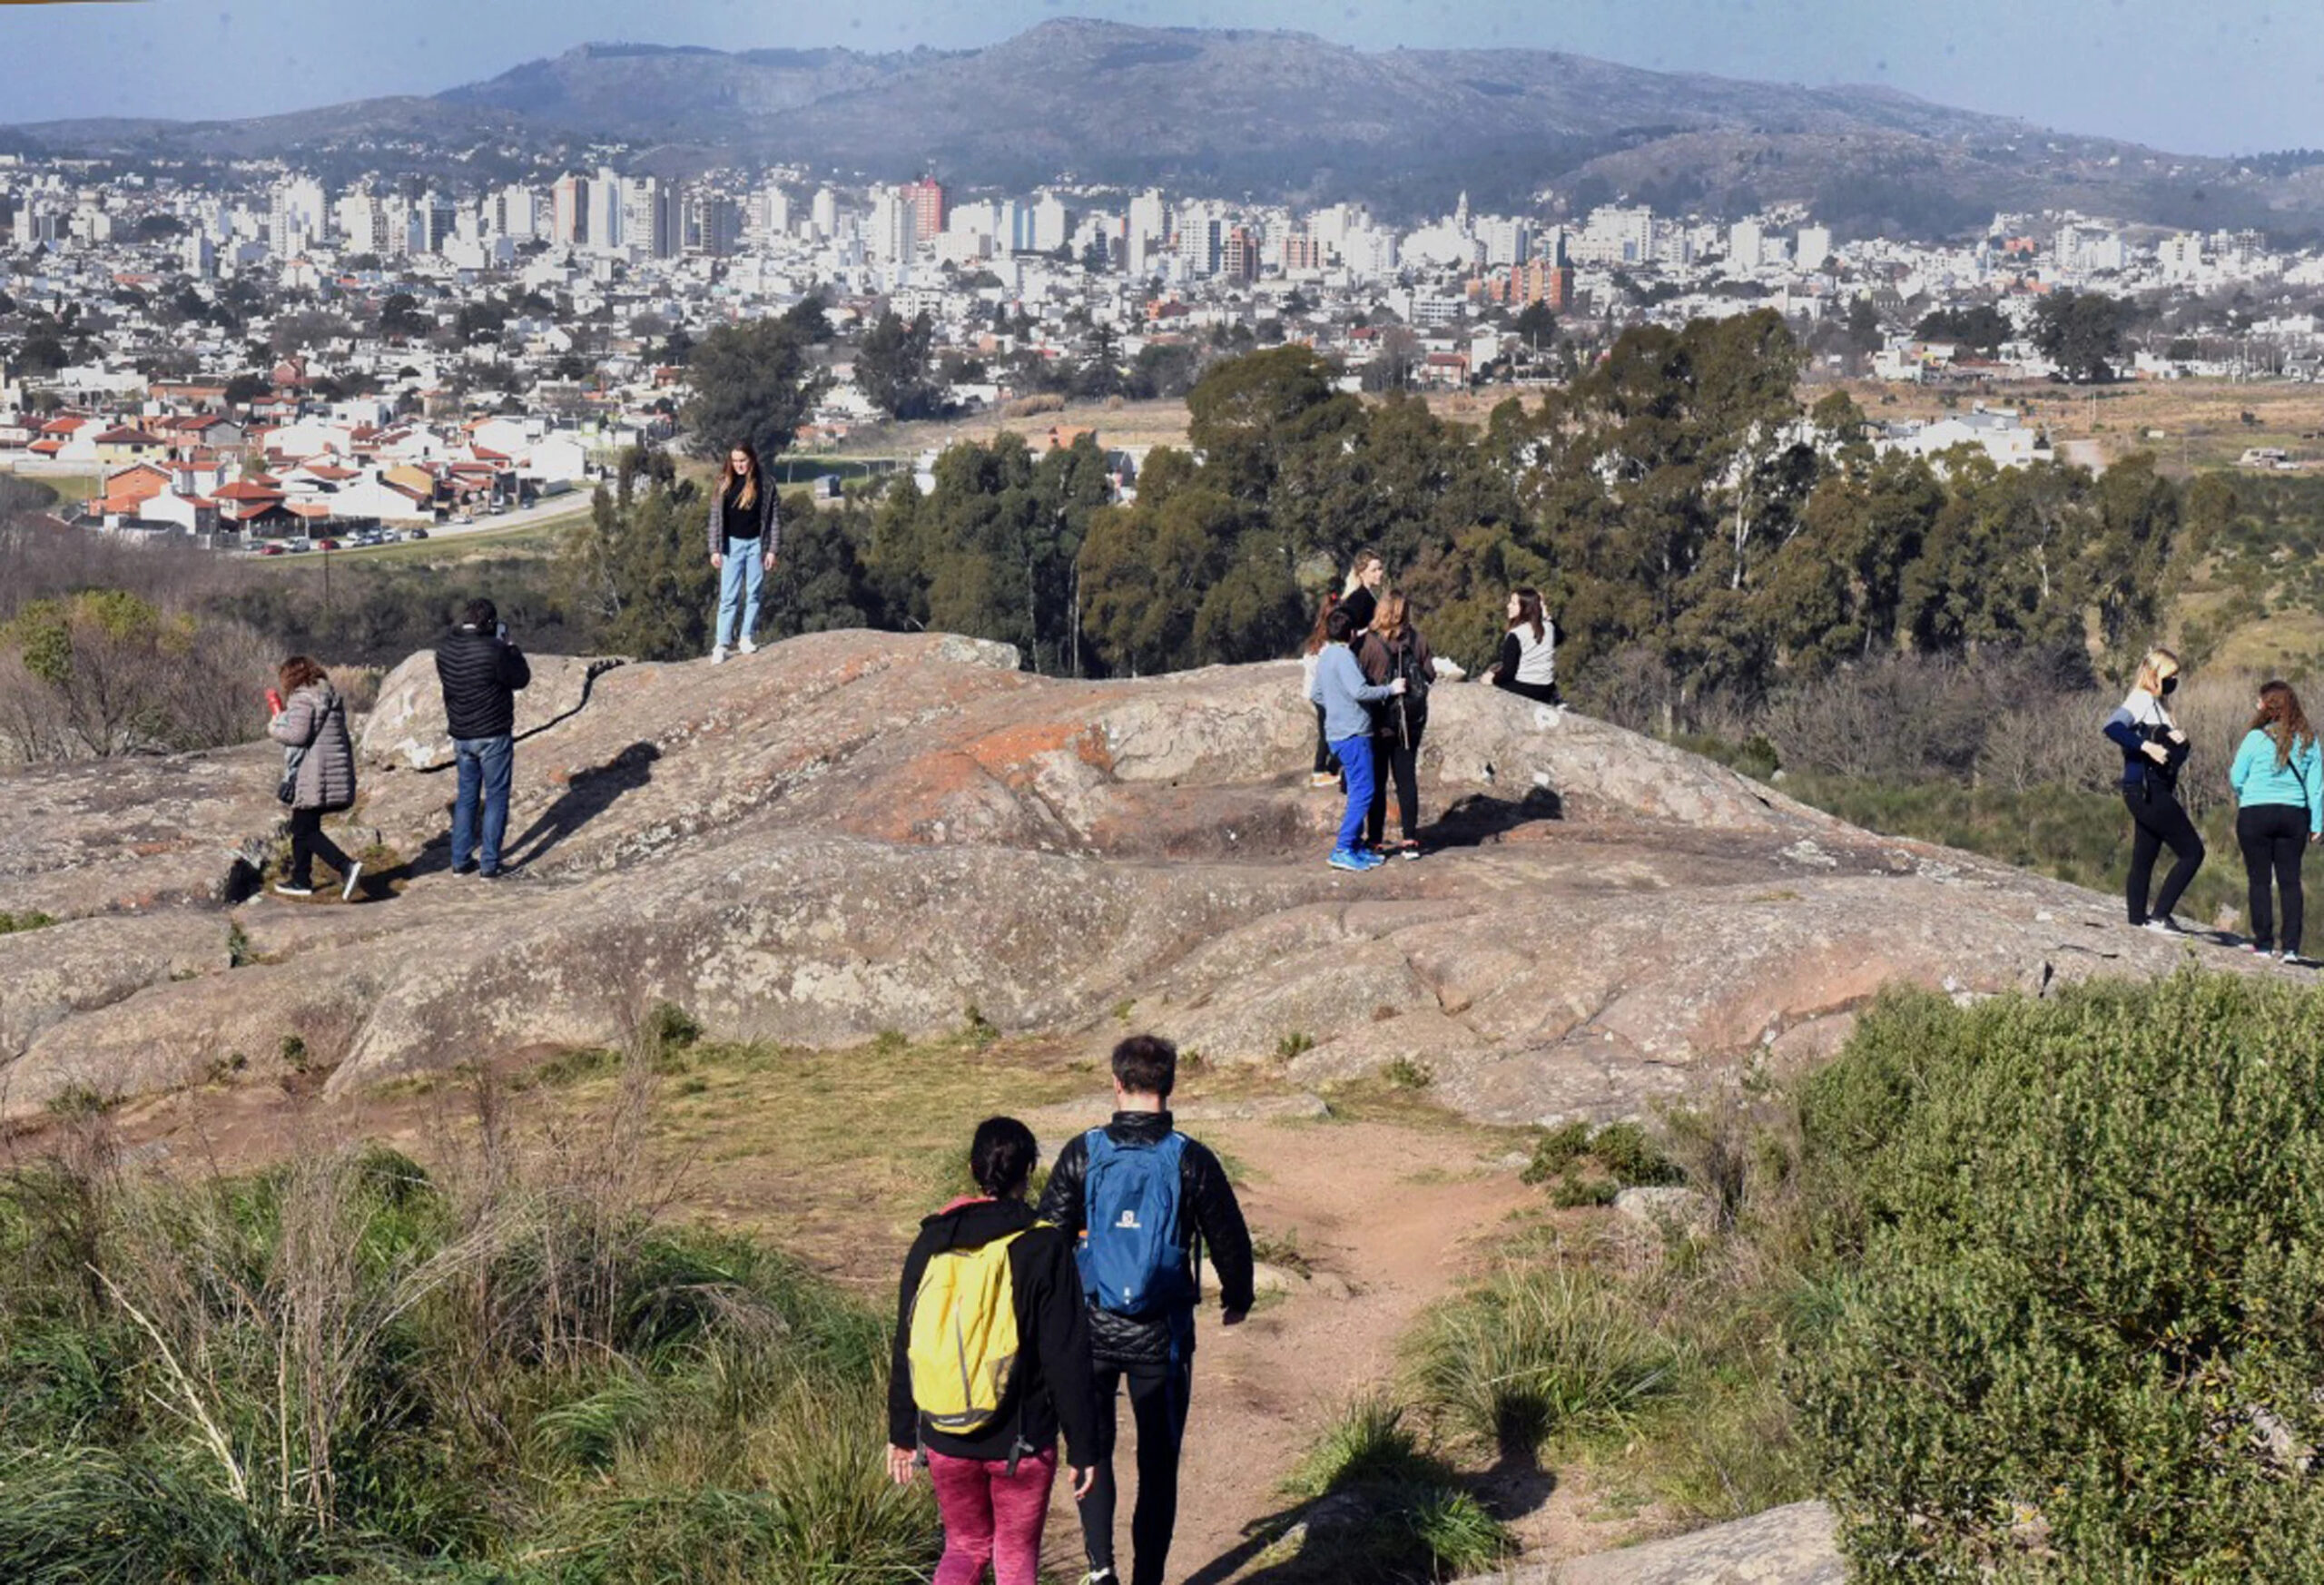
1154 1355
992 1487
481 673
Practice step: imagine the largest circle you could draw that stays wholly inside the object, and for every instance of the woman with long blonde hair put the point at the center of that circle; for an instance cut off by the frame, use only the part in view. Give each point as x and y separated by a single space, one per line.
2278 781
2154 750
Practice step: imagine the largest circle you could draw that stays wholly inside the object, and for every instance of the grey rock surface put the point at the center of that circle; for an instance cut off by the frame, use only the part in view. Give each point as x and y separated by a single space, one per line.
852 833
406 729
1792 1545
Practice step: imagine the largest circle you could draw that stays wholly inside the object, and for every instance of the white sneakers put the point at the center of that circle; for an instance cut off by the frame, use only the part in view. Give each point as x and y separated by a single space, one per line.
747 646
718 656
354 873
719 653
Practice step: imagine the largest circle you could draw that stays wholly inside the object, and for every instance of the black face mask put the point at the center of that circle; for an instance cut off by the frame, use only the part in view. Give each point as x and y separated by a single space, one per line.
2171 684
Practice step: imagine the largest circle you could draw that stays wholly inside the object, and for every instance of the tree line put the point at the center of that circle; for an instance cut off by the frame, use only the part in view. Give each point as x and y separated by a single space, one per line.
1700 530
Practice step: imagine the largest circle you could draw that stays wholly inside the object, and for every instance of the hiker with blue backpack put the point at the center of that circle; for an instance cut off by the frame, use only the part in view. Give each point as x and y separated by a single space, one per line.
1144 1201
991 1359
1341 689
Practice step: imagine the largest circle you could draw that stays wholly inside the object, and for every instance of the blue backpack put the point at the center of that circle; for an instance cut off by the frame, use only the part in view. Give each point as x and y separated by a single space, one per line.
1132 1261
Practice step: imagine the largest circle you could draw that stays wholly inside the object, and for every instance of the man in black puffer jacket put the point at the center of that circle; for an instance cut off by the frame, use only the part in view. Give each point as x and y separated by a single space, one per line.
1154 1354
481 673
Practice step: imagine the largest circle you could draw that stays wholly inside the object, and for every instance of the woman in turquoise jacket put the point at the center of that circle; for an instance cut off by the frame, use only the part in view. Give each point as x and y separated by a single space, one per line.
2278 780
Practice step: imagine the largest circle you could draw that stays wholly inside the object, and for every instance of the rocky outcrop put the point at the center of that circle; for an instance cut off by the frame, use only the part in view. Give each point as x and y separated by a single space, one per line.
1784 1546
406 729
852 833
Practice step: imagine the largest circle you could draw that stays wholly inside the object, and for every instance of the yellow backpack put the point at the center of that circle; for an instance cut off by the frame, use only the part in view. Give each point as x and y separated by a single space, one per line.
963 1343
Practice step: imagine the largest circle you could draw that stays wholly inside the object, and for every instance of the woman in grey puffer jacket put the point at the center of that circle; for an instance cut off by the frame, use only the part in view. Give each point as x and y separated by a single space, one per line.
319 766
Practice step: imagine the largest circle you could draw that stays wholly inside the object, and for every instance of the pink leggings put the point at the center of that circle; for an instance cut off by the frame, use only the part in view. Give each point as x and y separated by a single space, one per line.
991 1516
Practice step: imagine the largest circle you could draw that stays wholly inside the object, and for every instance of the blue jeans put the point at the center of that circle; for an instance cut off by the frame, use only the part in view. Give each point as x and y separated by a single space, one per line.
1355 764
485 765
739 582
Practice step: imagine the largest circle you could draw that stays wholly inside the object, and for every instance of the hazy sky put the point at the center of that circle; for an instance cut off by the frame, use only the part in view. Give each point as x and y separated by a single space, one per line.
2199 77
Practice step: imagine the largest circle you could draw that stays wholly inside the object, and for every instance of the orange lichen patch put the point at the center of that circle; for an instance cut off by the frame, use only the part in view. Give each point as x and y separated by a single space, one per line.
1010 751
930 793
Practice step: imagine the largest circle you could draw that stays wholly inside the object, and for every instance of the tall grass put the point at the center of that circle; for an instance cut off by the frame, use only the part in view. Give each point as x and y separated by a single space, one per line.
1381 1506
511 1369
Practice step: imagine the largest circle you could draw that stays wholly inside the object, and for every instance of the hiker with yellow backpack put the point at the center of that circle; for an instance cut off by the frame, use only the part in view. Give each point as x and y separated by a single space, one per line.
991 1360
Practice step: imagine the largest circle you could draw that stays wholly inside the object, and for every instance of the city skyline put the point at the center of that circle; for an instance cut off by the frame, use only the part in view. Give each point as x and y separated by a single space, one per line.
2240 77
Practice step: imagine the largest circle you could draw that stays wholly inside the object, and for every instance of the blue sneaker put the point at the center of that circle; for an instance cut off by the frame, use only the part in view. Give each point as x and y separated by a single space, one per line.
1348 859
1372 860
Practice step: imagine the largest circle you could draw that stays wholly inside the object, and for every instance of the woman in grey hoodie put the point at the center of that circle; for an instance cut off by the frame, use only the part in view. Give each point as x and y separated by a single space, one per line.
318 773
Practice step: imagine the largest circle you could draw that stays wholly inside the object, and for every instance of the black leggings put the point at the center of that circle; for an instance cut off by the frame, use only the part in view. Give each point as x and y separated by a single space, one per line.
1540 692
2161 824
2273 836
1399 758
1326 762
308 843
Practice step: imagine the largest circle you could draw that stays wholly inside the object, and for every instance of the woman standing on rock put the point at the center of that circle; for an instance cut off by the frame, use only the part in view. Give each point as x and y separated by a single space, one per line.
1326 771
1528 662
2278 781
1394 651
2153 750
745 534
1360 597
318 773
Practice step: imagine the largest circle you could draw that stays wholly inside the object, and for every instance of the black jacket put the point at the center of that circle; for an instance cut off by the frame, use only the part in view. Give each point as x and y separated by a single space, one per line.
1051 1386
1210 1213
481 674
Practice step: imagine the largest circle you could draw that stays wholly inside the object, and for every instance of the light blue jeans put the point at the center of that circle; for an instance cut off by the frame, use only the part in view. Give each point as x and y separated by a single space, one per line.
739 582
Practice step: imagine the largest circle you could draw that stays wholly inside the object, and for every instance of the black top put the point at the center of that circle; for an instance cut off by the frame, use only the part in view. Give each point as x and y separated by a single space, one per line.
736 520
481 674
1360 607
1209 1213
1051 1387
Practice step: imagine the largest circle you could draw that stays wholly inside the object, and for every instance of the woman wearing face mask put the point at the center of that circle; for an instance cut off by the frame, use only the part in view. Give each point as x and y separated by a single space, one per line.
2154 751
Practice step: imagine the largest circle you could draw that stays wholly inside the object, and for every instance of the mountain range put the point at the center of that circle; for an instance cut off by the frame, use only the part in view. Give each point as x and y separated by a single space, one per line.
1271 114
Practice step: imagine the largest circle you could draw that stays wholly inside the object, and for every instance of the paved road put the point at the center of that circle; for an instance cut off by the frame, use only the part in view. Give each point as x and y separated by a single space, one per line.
554 509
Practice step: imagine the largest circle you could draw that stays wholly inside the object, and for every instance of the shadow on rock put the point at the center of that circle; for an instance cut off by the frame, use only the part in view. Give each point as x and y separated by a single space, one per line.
1481 818
589 795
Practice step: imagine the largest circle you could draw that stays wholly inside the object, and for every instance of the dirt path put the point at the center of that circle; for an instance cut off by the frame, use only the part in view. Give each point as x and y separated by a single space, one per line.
1394 1213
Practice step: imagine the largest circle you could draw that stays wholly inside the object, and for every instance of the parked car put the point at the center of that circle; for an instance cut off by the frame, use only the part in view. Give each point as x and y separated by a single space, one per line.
299 548
326 545
270 550
418 534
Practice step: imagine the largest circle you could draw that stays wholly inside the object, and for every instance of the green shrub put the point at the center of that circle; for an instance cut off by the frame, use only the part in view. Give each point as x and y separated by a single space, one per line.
12 923
2089 1237
1538 1350
1557 1149
342 1369
1411 1517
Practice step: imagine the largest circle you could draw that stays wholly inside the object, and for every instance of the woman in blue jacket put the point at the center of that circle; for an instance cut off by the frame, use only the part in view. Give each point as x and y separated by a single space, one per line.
2153 750
2278 780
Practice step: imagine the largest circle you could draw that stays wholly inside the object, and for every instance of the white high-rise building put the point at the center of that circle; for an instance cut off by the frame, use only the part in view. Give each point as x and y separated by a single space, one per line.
514 212
892 238
1506 240
604 212
1746 244
1616 235
363 223
824 214
1147 231
651 217
298 217
773 212
1815 247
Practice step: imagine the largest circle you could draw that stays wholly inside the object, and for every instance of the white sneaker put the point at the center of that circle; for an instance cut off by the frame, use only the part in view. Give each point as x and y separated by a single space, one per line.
354 873
2163 924
747 646
718 656
283 888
